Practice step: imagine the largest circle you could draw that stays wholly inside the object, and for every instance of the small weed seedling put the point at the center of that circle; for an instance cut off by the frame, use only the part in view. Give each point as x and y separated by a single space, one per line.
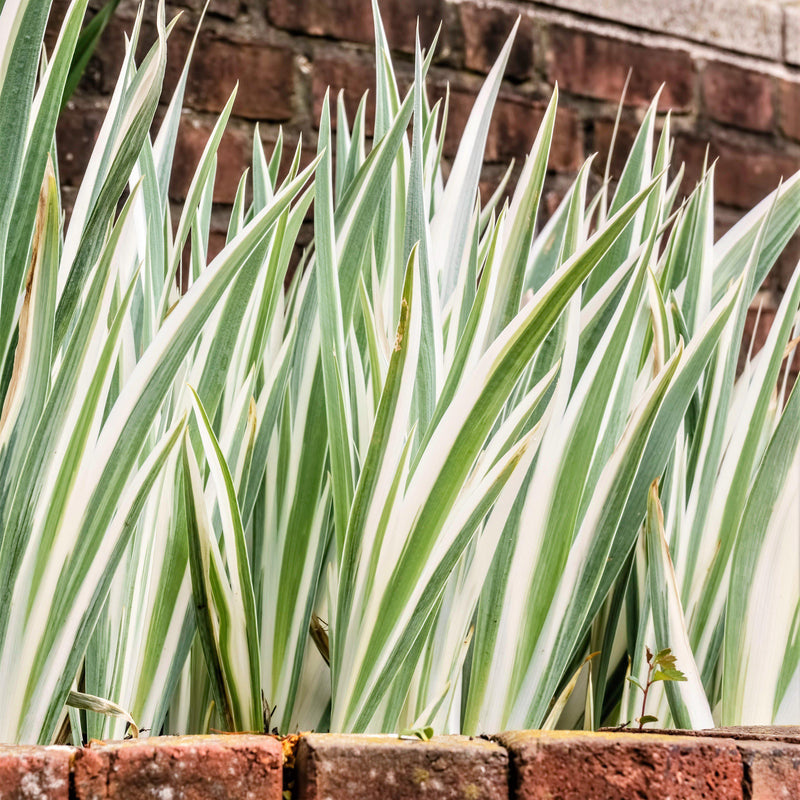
424 734
660 667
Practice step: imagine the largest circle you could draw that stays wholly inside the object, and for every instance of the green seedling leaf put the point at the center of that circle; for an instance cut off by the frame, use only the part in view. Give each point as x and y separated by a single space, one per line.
424 734
668 675
635 682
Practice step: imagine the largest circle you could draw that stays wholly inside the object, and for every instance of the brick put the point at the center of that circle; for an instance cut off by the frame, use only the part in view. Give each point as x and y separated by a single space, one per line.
233 157
342 767
690 150
126 7
743 176
34 772
229 9
351 20
216 243
486 29
342 19
104 67
400 20
76 134
621 766
789 98
514 127
603 133
770 753
739 97
265 72
182 768
265 75
515 122
772 769
351 74
596 66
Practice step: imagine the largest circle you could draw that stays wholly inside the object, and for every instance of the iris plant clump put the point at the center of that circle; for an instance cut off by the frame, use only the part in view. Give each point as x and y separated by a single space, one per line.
462 471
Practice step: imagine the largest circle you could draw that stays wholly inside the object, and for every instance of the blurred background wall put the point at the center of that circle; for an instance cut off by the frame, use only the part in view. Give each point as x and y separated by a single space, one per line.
731 70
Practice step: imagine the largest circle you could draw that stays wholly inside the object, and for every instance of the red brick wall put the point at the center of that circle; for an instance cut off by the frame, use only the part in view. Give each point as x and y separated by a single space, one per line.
731 83
753 763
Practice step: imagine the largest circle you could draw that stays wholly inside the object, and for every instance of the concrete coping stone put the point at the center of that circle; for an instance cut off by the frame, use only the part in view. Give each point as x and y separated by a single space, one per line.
749 27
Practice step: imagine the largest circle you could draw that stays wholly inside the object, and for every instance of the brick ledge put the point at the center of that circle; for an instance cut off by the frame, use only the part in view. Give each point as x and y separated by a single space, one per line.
726 763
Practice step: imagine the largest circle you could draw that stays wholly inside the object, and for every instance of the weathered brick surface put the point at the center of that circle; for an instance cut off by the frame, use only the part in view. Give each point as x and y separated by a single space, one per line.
772 769
744 763
77 132
351 20
331 767
400 20
789 102
597 66
221 8
180 768
233 157
342 19
103 69
743 177
34 773
744 174
486 28
770 754
264 73
354 75
514 125
621 766
742 98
